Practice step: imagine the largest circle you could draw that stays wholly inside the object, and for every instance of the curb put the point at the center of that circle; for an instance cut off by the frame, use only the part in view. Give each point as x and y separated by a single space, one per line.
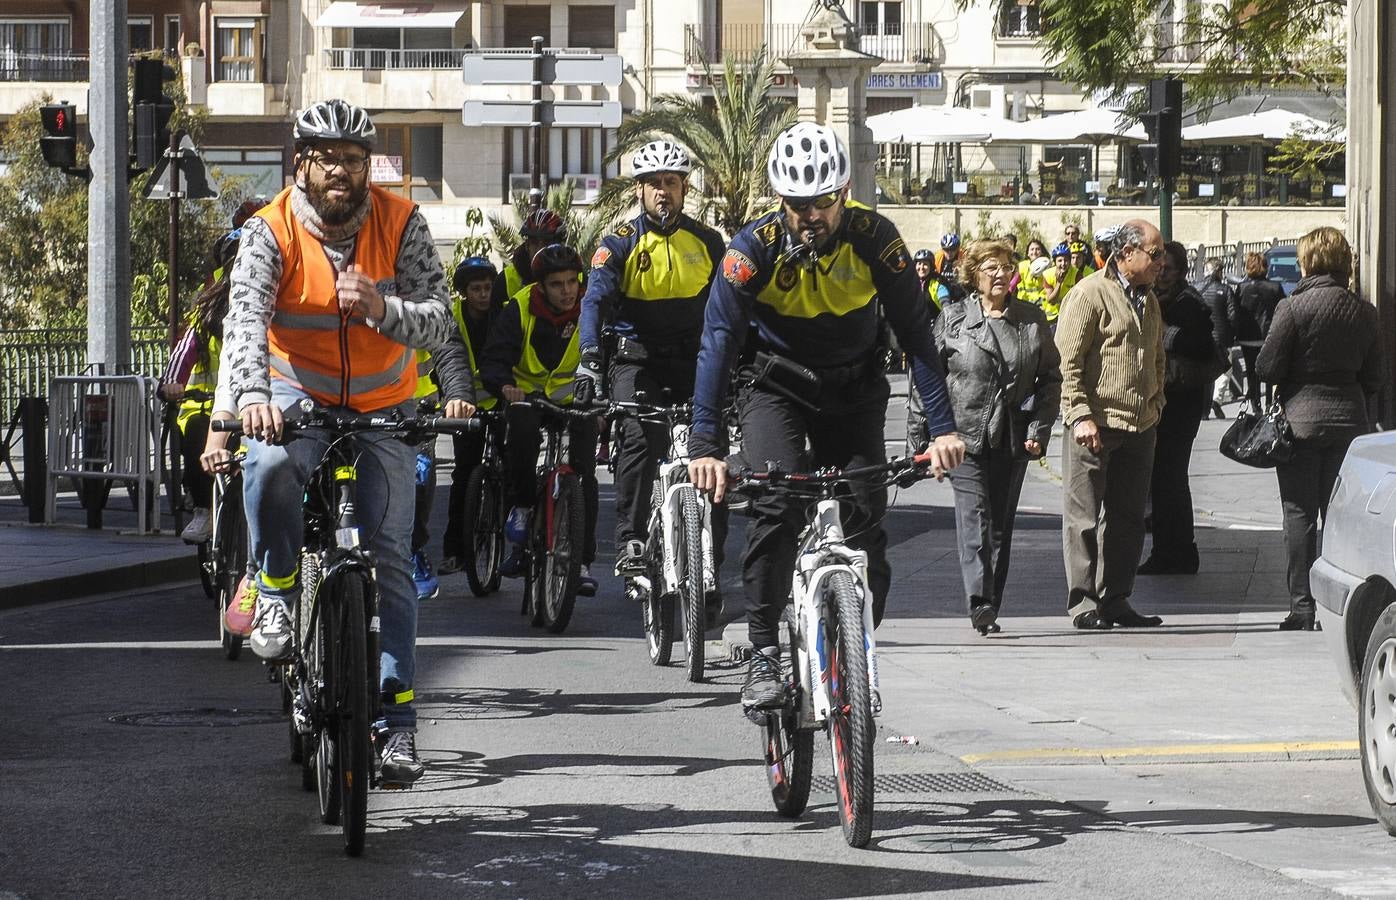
150 573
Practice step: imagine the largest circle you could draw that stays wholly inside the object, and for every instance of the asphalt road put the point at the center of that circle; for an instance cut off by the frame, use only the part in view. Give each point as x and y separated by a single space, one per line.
137 762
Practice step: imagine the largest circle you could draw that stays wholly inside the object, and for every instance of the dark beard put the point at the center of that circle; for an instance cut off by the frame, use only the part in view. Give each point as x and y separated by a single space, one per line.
334 212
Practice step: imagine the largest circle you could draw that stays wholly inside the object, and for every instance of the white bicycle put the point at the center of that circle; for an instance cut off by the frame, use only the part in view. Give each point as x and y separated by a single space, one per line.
680 564
831 668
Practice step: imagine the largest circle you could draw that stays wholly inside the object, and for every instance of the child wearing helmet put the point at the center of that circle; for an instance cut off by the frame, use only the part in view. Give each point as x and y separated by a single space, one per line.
538 229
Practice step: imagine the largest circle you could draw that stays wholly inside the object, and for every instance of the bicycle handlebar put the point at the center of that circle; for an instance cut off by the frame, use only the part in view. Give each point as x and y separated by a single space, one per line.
409 425
902 471
621 408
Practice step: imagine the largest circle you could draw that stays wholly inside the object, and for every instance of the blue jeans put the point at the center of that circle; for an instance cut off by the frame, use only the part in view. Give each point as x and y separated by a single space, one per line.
274 479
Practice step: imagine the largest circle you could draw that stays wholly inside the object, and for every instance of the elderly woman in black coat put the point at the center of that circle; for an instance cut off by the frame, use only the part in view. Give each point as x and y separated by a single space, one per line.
1003 374
1323 356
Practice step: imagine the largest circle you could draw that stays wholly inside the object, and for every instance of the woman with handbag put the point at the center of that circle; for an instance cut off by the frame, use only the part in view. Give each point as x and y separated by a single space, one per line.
1193 364
1003 374
1322 355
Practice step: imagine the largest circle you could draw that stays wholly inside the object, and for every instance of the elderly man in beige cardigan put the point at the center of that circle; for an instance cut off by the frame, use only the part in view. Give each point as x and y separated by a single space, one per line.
1110 335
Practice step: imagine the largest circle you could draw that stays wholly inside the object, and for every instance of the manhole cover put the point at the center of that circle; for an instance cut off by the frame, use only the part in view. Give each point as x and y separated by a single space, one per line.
205 717
926 783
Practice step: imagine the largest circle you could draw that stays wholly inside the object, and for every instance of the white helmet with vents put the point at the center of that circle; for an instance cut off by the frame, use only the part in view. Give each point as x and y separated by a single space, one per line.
808 160
660 156
334 120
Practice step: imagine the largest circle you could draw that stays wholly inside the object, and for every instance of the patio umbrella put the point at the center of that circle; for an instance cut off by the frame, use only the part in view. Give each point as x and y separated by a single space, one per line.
932 125
1086 126
1266 125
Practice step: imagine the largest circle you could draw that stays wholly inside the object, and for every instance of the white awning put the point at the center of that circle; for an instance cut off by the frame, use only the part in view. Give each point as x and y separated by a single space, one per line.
391 15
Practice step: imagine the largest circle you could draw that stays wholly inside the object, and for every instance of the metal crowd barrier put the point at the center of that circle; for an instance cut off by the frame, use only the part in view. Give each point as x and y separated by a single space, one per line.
105 428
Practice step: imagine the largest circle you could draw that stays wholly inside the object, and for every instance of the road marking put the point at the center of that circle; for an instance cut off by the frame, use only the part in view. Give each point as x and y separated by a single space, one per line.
119 645
1109 753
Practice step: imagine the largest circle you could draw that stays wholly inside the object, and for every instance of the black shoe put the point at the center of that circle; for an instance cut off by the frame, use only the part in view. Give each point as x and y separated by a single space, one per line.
1300 622
1090 621
1157 566
765 683
982 616
1128 618
586 585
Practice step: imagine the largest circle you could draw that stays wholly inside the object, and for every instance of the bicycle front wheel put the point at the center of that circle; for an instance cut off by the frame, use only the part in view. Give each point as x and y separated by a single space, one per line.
483 532
230 555
562 569
851 728
689 542
353 729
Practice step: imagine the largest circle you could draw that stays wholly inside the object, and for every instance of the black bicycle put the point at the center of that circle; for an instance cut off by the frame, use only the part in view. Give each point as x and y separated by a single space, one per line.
333 675
484 511
224 556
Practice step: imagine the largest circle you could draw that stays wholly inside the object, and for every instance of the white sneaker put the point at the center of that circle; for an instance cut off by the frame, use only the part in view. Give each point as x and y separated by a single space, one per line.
199 529
272 633
401 764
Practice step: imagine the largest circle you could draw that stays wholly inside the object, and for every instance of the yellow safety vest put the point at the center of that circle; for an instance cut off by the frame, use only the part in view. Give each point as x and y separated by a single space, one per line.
201 378
513 281
530 375
1031 288
483 398
1053 308
425 386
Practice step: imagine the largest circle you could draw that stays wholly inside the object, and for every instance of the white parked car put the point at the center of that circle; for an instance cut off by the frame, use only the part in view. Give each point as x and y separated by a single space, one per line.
1354 582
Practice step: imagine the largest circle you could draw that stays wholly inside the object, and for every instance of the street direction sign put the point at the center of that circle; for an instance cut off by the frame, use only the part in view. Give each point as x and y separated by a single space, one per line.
514 68
558 113
193 176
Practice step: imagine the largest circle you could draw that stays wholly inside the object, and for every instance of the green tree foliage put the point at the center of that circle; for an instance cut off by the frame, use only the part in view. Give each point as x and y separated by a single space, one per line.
586 225
727 137
43 232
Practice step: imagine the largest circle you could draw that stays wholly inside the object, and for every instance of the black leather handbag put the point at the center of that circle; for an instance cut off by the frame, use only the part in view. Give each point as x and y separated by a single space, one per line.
1261 441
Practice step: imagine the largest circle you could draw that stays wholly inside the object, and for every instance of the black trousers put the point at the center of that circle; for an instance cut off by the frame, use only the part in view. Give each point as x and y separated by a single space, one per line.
847 431
1183 411
523 437
1306 482
196 481
469 449
986 486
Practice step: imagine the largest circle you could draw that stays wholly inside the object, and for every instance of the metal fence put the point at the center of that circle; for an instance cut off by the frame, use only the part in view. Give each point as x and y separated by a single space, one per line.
31 357
1232 256
366 58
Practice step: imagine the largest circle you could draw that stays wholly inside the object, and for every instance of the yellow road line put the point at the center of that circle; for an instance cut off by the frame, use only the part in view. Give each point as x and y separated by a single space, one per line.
1107 753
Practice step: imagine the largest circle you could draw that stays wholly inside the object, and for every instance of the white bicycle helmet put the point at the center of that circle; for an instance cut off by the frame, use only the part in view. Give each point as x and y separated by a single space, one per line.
660 156
334 120
1040 265
808 160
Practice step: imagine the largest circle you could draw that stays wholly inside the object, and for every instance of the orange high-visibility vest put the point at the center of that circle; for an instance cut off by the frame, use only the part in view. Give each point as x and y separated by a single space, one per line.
337 362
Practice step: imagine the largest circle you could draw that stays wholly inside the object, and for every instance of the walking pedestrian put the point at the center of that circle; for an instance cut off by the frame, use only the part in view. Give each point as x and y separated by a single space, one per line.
1254 300
1111 341
1216 294
1324 357
1004 381
1192 364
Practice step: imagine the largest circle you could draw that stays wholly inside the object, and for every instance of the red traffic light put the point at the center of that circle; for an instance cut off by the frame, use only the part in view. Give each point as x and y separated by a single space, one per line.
59 119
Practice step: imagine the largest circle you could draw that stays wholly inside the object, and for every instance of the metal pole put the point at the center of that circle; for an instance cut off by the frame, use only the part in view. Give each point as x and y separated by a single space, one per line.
1165 207
172 261
536 190
108 205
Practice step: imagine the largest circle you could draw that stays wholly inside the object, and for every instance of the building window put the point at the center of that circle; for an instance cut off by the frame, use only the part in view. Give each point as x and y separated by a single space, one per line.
522 23
140 30
593 27
38 50
1019 18
881 18
408 161
240 43
577 154
259 170
172 34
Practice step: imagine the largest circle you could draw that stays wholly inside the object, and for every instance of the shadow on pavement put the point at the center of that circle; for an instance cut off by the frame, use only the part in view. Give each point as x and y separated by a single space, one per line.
469 703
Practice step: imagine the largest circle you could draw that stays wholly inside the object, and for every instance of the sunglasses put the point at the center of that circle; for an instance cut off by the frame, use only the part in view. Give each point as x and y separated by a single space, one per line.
800 204
1153 254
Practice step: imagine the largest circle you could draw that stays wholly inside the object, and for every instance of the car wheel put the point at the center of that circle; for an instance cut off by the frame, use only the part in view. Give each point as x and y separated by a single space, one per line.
1376 718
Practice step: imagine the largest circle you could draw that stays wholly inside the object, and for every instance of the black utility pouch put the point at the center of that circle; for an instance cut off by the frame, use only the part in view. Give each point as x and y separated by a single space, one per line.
785 376
629 350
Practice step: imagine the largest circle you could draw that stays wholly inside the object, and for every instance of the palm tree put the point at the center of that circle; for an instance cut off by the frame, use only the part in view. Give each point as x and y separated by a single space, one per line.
586 225
727 138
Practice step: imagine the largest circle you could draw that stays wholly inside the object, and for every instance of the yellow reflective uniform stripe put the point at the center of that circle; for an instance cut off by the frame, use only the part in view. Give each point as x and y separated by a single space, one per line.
667 267
406 696
277 584
840 284
345 473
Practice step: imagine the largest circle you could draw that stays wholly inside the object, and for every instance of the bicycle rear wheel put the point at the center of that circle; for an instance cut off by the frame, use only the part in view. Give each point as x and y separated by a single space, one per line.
562 567
851 728
483 532
689 542
353 729
206 564
789 762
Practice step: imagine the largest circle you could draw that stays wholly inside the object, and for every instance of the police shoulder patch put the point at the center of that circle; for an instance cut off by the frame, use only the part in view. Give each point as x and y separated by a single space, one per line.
625 231
769 233
862 222
601 256
737 268
894 257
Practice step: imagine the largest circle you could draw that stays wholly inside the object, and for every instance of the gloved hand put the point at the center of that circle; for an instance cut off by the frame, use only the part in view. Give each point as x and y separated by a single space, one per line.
586 389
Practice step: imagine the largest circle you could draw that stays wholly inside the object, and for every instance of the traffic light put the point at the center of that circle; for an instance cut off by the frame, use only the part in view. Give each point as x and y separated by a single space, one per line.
1163 155
60 141
152 110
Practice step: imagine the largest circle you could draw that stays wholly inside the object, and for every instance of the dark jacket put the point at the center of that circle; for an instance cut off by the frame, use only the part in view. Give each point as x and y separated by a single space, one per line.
1253 307
1193 357
504 348
1323 354
994 385
1216 295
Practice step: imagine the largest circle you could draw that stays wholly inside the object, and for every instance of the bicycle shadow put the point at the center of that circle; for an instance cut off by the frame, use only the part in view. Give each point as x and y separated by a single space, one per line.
470 703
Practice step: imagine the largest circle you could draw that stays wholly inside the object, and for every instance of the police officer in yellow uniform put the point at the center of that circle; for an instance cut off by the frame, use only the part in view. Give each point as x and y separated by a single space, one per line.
649 282
811 282
534 348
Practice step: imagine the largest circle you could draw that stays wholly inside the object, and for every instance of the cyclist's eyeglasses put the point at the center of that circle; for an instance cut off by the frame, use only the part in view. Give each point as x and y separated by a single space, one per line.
992 269
800 204
326 163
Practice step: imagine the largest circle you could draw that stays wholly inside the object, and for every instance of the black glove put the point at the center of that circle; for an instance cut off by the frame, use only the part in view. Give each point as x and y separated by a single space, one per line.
586 388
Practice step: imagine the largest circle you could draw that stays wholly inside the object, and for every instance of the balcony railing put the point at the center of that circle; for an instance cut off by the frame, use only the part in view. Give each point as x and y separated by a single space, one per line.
60 65
364 58
1019 20
740 42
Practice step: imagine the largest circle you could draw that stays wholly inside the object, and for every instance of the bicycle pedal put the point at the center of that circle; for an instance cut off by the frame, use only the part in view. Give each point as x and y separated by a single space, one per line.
394 786
756 715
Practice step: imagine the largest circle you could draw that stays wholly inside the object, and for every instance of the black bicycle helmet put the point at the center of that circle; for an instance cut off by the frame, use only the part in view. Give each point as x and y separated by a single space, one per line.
472 268
543 225
555 258
334 120
923 255
225 249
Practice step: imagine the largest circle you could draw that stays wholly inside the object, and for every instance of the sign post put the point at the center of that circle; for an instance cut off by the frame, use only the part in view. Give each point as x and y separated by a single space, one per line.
180 159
